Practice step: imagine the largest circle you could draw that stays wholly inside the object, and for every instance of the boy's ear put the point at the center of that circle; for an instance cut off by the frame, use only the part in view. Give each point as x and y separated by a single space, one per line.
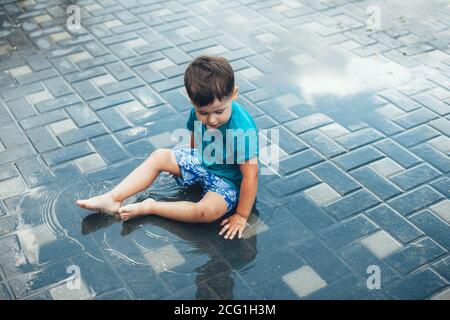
235 93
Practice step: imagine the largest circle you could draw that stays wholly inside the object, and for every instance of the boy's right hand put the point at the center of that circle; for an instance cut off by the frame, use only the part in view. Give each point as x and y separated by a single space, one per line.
234 224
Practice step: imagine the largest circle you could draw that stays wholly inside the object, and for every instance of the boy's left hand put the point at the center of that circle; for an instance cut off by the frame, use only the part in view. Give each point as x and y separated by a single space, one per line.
234 224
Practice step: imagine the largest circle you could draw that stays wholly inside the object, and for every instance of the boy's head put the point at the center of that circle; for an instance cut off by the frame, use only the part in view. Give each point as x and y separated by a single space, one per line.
209 82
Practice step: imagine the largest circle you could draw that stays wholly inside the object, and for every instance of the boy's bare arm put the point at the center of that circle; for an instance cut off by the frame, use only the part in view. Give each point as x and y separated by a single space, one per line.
249 186
192 140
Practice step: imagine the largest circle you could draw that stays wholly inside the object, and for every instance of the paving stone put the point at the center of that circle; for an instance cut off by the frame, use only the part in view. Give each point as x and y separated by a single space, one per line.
311 215
386 127
308 123
441 143
349 287
62 126
335 178
19 71
34 172
415 176
442 186
432 103
4 294
416 286
57 103
386 167
304 281
323 144
389 111
15 153
10 251
375 183
81 115
80 56
86 90
11 135
415 255
35 98
416 136
11 187
442 267
113 119
394 223
322 194
415 200
359 138
272 266
434 227
114 295
415 118
109 149
360 258
289 142
400 100
442 125
334 130
48 275
42 139
278 113
103 80
351 204
442 209
57 87
299 161
434 157
111 101
78 135
397 154
346 232
325 263
8 172
381 244
357 158
67 153
444 295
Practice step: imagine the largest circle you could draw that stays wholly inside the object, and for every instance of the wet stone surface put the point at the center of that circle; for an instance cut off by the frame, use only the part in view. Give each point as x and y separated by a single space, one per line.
363 116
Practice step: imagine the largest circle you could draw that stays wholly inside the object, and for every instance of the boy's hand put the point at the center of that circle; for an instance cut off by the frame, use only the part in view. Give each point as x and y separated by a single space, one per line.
234 224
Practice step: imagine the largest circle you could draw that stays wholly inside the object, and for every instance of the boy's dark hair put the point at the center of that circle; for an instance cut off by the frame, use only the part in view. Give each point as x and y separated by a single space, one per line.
209 77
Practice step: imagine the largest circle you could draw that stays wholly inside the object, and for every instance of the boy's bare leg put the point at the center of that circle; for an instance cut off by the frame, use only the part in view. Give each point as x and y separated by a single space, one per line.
138 180
209 209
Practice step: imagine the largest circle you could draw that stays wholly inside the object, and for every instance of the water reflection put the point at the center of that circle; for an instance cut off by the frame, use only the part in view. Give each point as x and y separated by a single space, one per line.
343 74
180 244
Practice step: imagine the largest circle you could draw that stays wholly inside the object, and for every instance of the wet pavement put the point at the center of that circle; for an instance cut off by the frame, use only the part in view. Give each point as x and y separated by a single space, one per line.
361 188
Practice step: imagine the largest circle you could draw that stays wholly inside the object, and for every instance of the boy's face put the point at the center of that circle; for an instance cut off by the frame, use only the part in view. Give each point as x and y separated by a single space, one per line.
217 113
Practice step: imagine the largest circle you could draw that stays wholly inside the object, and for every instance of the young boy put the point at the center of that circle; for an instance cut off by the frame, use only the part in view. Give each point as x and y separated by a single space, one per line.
219 158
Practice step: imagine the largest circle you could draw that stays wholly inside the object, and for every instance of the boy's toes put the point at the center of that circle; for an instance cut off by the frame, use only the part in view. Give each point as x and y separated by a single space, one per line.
124 216
81 203
123 210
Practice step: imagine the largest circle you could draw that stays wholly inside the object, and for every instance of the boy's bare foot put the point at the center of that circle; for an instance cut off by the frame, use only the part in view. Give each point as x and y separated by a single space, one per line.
104 203
136 209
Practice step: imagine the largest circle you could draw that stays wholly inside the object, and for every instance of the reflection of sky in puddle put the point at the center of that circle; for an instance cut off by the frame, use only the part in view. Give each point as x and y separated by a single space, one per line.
342 76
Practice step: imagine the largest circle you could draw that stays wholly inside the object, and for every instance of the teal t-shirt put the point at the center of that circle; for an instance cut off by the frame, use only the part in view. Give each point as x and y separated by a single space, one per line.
223 149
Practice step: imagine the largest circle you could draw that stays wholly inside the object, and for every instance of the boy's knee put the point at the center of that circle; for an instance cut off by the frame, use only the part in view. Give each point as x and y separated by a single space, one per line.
160 156
161 153
206 213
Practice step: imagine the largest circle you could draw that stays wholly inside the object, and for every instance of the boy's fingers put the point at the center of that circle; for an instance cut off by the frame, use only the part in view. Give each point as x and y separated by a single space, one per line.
224 221
229 232
224 229
233 234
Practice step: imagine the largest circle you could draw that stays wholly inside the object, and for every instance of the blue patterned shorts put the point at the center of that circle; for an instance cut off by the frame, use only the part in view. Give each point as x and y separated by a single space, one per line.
193 171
